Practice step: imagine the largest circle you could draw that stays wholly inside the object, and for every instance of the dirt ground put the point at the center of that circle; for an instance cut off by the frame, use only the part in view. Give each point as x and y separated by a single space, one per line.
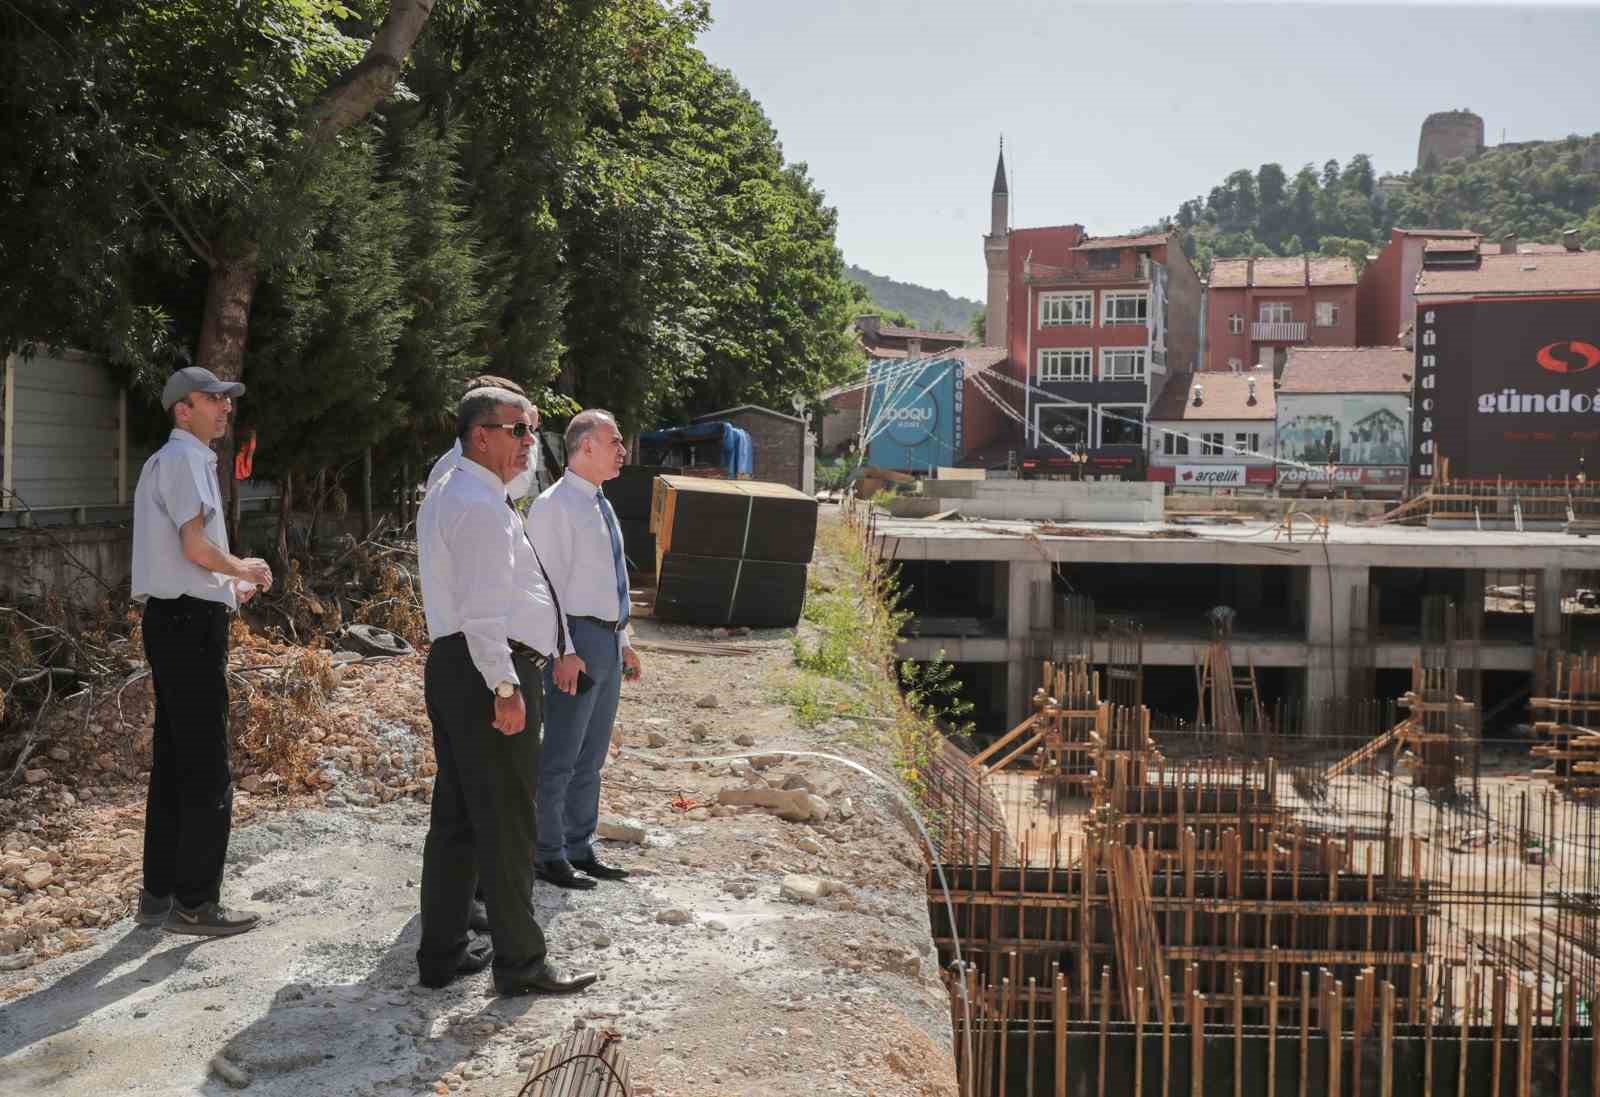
718 985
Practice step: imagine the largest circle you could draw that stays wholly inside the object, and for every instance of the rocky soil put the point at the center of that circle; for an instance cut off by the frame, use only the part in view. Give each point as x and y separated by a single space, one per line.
773 941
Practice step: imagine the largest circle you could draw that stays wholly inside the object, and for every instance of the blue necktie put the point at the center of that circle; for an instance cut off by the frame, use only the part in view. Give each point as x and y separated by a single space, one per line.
617 562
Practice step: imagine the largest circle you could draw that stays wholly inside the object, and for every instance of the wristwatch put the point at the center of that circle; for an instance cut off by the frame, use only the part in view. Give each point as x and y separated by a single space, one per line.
505 689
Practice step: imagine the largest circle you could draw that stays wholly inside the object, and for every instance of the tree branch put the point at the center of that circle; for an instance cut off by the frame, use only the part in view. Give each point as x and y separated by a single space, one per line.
196 245
353 96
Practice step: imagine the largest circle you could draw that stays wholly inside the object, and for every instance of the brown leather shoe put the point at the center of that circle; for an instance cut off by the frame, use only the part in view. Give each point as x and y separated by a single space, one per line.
540 978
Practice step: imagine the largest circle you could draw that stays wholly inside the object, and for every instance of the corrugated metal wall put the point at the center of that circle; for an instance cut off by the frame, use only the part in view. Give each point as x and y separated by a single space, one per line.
64 434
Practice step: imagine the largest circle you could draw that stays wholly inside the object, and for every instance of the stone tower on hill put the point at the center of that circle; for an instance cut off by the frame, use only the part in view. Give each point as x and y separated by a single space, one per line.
1449 135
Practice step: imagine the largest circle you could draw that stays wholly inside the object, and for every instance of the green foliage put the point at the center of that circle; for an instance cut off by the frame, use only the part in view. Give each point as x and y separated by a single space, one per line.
566 193
919 306
1536 190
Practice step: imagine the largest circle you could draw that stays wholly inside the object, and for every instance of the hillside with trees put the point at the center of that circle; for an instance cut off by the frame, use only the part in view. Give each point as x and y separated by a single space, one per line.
928 309
1535 190
353 221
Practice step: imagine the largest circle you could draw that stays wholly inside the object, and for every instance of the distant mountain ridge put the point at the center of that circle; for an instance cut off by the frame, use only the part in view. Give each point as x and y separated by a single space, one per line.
929 309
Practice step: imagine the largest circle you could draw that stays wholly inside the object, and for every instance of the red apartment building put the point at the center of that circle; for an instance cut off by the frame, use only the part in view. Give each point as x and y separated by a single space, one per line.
1094 326
1386 297
1256 309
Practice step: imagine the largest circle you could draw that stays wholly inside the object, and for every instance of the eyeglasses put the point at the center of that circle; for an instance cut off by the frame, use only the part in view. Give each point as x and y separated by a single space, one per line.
518 430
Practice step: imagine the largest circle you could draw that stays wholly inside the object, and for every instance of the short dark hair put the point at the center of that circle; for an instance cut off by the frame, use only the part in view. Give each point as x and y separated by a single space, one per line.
490 381
584 422
478 404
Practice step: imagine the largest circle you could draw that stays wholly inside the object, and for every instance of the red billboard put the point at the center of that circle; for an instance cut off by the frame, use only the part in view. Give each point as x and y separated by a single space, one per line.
1507 388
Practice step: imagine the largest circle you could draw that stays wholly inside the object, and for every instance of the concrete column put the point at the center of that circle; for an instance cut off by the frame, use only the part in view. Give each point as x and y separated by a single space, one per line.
1469 616
1330 594
1546 623
1024 580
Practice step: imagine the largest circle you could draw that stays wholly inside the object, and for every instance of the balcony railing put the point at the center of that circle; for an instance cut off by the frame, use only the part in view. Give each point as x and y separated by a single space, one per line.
1293 331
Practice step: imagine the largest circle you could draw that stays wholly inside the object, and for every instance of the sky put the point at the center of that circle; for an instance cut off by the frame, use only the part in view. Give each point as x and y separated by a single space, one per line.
1113 114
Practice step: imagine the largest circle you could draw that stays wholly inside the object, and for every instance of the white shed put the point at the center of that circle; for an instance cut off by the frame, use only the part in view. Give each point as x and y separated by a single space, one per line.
65 434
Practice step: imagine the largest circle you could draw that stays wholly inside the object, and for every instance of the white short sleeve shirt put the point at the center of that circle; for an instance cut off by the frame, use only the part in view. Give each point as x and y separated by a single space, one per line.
177 483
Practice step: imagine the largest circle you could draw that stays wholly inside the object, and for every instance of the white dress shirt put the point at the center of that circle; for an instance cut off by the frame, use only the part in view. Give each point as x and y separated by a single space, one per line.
479 577
178 482
570 533
520 485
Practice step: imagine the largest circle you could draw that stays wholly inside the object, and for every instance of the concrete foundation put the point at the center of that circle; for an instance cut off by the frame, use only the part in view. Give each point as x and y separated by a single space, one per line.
1326 624
1050 500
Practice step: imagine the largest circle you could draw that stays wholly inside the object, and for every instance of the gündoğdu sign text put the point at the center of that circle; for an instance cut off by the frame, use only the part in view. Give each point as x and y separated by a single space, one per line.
1507 388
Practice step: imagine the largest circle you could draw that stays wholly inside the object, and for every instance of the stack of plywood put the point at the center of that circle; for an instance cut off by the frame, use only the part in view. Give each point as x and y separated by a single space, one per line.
731 552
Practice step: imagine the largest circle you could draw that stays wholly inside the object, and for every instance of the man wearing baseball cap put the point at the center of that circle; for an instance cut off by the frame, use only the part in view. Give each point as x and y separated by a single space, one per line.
189 582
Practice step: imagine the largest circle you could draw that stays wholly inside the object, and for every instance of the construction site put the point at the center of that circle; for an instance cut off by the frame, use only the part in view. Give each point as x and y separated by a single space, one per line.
1260 806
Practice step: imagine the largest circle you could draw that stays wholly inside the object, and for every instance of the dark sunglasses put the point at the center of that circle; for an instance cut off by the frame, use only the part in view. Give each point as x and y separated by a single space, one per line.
518 430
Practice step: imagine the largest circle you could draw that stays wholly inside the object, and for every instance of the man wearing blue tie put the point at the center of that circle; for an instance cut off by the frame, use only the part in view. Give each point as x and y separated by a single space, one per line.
580 546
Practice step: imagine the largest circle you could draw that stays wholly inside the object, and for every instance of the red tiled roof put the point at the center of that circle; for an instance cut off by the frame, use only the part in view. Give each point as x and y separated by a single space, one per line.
1346 369
1148 240
1289 271
1450 243
1282 271
1331 271
1542 272
915 333
1440 233
1223 396
1229 273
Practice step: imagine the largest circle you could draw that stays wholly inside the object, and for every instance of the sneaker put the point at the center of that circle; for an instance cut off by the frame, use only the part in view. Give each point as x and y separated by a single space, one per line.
153 909
209 920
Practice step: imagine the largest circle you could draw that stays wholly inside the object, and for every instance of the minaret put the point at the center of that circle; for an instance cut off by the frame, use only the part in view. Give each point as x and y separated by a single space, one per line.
996 254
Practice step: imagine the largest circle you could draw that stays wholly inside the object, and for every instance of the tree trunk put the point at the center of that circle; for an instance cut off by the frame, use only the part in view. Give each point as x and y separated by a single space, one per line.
230 289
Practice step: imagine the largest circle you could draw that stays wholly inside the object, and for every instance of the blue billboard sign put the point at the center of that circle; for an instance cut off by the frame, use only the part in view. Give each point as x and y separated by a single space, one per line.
912 419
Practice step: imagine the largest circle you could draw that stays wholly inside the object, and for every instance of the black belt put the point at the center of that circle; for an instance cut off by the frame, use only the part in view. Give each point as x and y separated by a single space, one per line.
519 650
609 626
522 651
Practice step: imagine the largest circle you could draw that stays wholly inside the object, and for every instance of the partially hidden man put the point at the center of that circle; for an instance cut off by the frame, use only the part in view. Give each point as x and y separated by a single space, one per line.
494 629
189 583
580 545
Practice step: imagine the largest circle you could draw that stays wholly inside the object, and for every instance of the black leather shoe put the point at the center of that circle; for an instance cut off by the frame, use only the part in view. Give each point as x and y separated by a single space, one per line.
479 955
478 920
562 875
541 978
591 867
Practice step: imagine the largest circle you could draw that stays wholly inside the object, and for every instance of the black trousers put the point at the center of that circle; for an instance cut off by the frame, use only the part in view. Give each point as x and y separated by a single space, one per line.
482 825
190 807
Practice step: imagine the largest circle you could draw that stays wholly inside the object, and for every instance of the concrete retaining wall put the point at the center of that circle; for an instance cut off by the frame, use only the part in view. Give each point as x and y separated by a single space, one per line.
1271 508
1049 500
34 562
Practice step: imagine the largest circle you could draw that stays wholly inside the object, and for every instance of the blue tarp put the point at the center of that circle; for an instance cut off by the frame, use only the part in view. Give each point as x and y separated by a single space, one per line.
735 451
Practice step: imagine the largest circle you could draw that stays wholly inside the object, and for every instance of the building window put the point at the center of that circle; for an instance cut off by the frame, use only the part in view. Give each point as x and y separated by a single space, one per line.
1213 445
1235 324
1124 307
1122 425
1122 365
1327 314
1236 364
1247 442
1105 258
1061 426
1066 365
1063 309
1174 444
1276 312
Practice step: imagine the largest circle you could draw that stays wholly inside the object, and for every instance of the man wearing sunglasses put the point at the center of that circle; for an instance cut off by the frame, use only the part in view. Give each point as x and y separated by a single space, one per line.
189 583
525 481
580 542
494 628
